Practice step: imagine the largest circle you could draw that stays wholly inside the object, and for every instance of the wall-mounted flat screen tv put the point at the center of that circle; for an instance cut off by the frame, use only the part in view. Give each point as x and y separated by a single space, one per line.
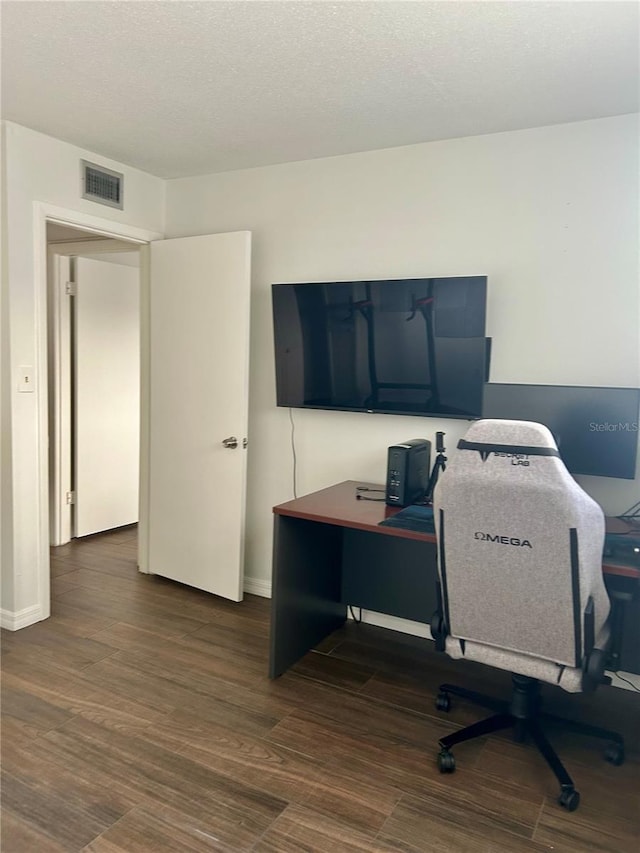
405 346
596 429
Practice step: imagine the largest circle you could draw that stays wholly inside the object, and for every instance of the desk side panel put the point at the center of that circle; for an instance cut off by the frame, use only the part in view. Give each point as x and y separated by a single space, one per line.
389 574
305 605
627 632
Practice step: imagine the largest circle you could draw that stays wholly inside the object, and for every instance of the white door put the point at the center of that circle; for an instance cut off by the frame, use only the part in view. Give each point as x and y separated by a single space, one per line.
106 395
199 366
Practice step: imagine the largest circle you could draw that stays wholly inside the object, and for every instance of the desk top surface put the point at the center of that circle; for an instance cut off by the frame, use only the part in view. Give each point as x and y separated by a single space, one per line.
339 505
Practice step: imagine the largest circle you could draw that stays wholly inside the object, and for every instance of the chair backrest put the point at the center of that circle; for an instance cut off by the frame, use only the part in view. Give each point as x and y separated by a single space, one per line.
519 545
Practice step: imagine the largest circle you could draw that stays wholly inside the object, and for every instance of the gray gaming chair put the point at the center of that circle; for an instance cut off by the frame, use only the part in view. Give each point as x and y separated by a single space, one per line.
520 582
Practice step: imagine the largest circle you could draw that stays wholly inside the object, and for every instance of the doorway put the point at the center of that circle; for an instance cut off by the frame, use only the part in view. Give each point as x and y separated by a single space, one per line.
195 291
94 382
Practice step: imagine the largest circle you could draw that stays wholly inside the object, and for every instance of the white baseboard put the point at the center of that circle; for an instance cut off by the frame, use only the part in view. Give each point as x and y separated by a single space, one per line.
14 620
630 676
256 586
405 626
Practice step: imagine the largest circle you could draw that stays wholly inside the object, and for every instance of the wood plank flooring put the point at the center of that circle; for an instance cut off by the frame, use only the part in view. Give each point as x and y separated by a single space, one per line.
140 718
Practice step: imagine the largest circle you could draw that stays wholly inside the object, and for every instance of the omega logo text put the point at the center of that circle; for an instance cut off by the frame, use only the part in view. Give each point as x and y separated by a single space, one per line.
503 540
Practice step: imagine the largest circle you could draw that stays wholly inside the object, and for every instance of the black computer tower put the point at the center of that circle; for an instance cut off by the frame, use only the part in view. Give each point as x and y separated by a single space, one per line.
408 468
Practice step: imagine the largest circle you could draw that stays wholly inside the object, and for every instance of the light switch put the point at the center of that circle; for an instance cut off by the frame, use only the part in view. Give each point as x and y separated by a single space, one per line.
25 379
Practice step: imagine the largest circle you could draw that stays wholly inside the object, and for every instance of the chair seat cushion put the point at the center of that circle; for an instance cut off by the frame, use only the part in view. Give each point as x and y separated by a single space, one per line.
569 678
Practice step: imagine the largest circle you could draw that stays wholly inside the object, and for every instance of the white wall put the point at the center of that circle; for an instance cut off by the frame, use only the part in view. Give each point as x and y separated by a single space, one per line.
549 214
6 509
41 170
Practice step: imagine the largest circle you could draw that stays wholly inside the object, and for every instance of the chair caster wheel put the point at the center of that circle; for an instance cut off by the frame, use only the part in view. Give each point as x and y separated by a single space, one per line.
614 754
446 761
443 702
569 799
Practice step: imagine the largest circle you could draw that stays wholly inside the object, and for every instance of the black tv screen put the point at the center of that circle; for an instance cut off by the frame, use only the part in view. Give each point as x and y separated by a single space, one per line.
596 429
406 346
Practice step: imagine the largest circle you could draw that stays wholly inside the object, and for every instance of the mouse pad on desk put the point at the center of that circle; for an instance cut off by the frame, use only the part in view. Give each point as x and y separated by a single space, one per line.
418 518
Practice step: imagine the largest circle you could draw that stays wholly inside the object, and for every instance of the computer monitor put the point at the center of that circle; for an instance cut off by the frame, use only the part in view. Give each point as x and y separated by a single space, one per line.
596 429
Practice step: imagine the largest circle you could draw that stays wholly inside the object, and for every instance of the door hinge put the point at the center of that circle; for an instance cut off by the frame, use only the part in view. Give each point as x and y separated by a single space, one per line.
70 288
71 497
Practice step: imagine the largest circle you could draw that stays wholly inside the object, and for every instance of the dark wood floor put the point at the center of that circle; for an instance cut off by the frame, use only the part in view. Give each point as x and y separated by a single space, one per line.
140 718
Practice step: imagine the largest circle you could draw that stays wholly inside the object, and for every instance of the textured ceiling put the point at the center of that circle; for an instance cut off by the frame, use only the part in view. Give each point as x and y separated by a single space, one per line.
181 88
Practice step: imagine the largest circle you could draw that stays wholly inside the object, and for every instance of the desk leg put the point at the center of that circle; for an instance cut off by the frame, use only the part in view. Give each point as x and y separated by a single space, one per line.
306 587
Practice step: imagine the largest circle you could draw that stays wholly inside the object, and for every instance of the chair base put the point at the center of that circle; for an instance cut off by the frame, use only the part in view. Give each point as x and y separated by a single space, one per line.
523 715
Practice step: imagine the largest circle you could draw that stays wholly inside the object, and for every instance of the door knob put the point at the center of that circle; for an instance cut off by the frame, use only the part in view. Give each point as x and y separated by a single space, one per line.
230 443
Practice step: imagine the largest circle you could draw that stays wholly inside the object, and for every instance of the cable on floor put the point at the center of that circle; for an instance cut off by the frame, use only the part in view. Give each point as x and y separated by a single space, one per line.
357 619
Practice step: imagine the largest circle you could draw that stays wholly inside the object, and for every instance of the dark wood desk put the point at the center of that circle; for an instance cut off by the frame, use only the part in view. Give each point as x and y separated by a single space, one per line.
329 551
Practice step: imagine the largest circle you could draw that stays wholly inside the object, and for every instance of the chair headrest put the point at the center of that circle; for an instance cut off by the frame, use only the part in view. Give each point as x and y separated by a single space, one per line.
515 435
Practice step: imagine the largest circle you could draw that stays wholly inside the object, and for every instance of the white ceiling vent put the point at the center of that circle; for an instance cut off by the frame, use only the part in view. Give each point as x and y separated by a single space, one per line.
101 185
